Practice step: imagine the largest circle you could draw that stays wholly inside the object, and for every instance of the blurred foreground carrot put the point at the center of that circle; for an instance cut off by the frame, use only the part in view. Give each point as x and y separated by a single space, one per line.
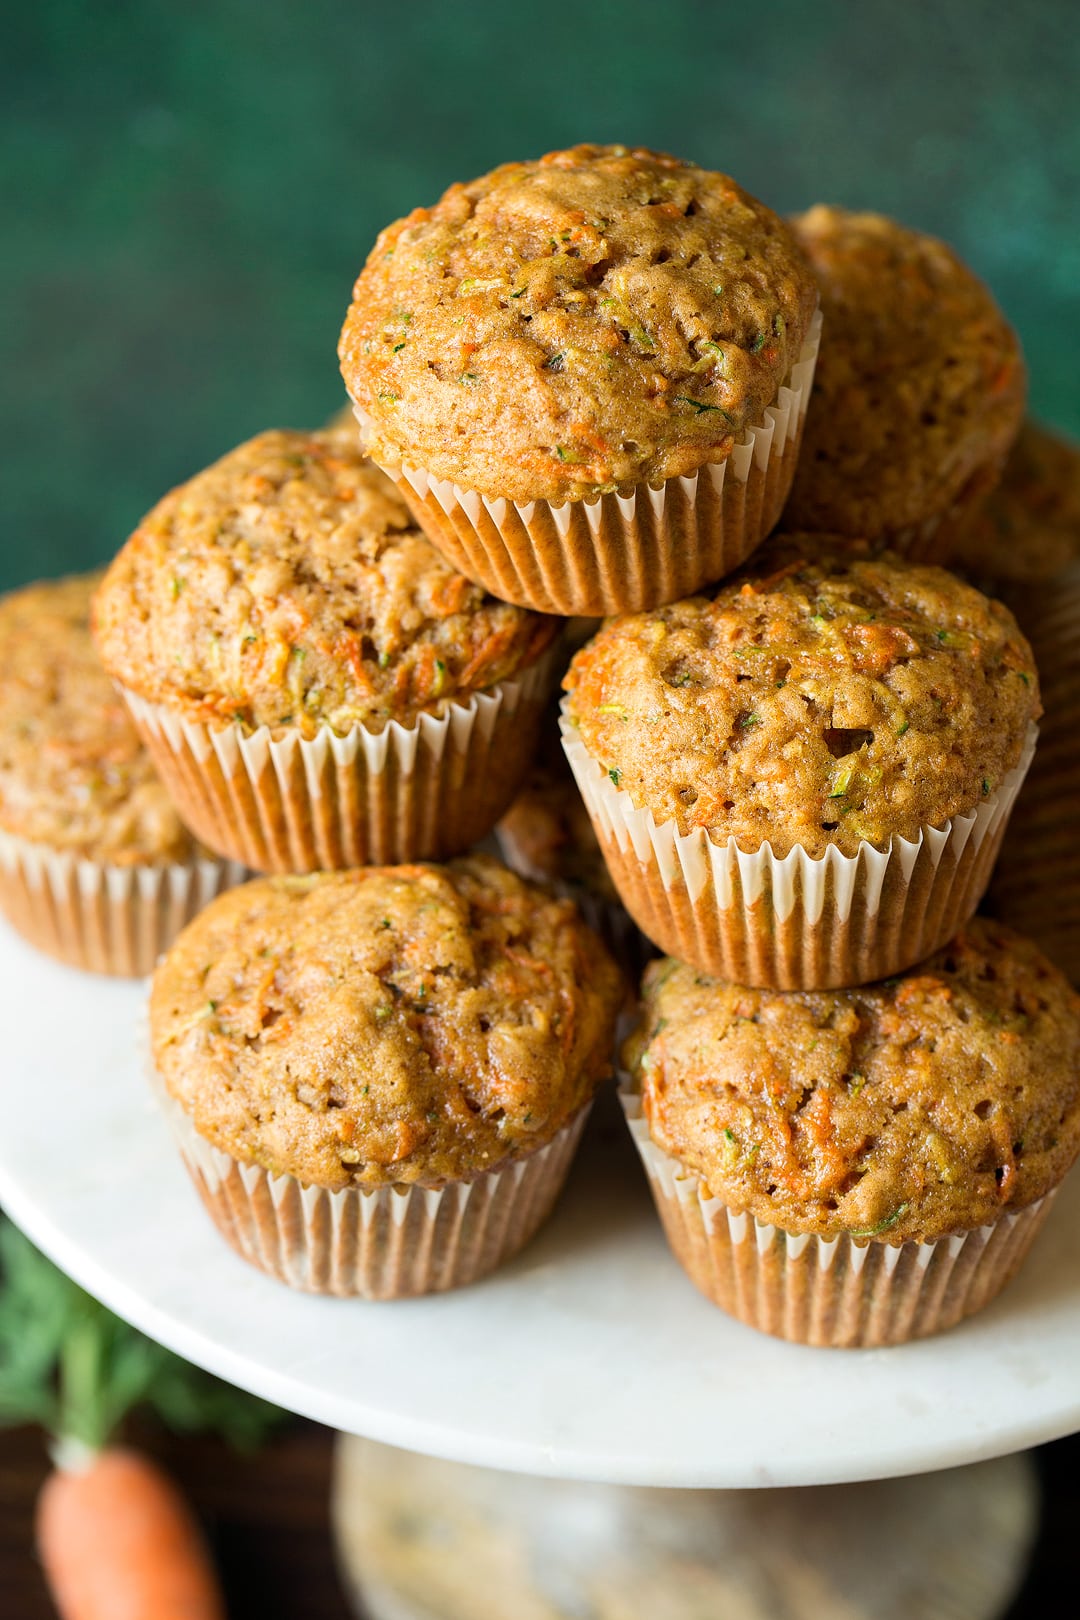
116 1539
118 1542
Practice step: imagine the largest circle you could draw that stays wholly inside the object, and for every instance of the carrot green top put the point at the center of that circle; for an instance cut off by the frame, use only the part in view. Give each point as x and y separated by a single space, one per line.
287 586
823 696
906 1110
599 318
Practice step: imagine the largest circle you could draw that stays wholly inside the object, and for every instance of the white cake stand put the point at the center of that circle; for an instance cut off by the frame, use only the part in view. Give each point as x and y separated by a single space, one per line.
591 1357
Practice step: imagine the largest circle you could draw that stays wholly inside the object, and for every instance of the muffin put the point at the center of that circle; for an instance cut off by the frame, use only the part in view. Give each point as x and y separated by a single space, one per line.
1036 883
96 867
343 421
378 1077
318 687
1028 532
547 837
588 374
919 393
802 780
865 1166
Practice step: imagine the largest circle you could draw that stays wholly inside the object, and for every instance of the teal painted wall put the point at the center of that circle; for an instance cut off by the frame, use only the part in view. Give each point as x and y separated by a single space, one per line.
188 189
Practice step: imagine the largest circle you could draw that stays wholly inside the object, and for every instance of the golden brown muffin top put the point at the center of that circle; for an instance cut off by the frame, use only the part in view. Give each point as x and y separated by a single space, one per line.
599 318
287 586
823 696
906 1110
73 773
547 835
1029 529
386 1025
919 383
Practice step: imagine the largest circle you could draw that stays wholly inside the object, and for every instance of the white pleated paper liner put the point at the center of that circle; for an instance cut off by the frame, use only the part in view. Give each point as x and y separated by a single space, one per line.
835 1293
101 918
622 553
1036 883
406 793
793 922
382 1243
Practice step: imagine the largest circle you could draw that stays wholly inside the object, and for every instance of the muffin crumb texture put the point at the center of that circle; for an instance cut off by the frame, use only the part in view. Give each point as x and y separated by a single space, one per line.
599 318
822 697
74 776
413 1024
905 1111
287 586
920 385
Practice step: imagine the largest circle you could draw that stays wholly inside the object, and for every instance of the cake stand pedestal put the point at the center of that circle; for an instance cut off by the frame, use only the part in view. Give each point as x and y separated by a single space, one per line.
423 1539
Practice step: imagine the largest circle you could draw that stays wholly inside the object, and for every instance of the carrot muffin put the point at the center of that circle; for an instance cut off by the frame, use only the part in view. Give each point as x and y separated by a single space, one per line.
919 393
360 1034
96 867
802 780
547 836
318 687
1036 883
941 1105
343 421
1028 532
561 333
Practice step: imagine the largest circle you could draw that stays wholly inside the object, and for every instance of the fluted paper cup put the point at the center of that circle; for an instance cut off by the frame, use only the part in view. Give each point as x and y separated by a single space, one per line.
1036 884
406 793
835 1293
101 918
379 1243
622 553
793 922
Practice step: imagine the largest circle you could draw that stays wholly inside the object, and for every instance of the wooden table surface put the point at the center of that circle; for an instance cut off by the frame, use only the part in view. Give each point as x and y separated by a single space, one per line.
267 1517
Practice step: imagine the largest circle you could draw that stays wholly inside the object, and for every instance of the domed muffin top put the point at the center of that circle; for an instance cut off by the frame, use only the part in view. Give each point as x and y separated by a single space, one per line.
599 318
287 586
821 697
906 1110
389 1024
73 774
919 388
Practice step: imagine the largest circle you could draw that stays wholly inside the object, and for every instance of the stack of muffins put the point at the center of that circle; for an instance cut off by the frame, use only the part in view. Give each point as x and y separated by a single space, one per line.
788 759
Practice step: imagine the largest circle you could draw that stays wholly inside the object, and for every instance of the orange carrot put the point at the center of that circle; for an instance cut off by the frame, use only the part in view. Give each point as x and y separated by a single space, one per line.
118 1542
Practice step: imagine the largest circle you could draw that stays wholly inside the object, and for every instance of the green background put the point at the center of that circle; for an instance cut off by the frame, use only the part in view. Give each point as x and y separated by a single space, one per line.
188 190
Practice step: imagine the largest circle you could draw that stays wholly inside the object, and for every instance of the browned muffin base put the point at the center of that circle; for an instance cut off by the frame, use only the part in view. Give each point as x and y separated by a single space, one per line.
305 808
613 555
865 1297
391 1244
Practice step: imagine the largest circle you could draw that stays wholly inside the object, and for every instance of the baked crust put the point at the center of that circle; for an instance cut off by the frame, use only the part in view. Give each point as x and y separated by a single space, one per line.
73 773
387 1024
823 696
599 318
907 1110
920 386
287 586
